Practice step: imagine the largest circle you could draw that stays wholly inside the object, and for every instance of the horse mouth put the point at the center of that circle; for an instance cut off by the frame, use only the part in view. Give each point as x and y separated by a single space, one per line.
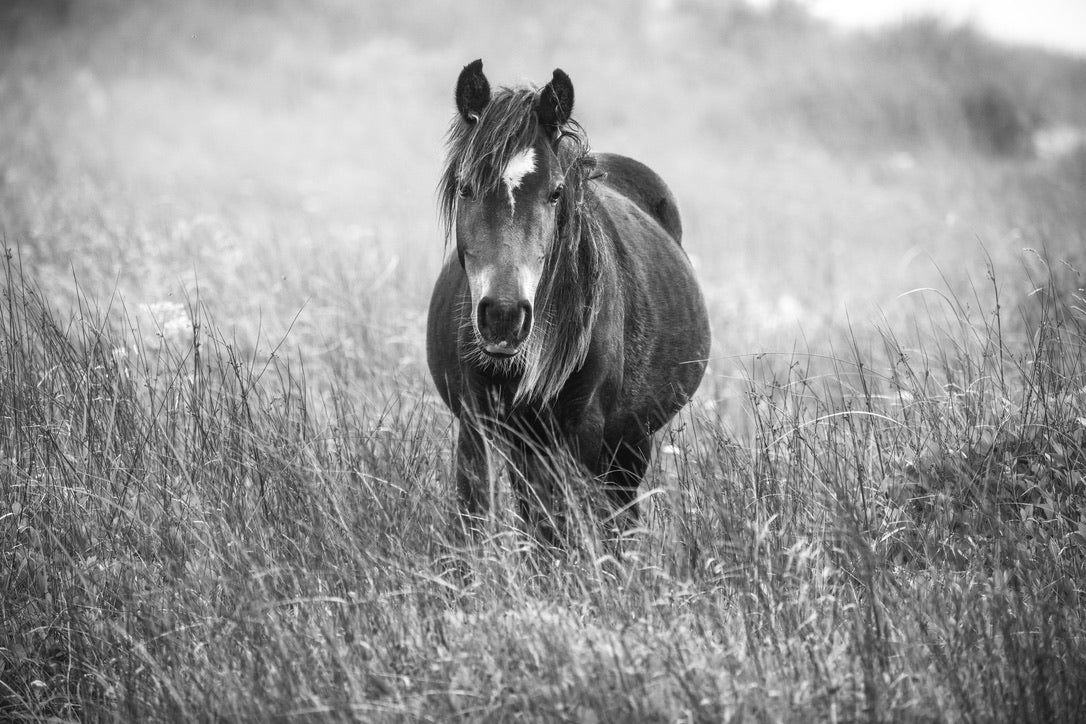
500 349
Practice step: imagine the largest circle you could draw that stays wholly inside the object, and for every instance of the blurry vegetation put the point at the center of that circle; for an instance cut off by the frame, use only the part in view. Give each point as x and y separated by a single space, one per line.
997 124
224 474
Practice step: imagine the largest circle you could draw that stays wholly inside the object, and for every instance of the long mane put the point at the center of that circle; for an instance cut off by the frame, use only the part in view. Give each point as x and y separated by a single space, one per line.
567 300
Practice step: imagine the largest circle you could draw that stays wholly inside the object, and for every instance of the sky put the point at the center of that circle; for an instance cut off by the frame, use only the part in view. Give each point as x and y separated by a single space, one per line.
1055 24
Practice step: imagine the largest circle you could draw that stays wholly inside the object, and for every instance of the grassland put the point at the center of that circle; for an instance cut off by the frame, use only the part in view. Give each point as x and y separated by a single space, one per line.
224 479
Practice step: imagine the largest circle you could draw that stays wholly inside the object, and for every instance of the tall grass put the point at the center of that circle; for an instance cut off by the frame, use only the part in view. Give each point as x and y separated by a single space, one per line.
895 532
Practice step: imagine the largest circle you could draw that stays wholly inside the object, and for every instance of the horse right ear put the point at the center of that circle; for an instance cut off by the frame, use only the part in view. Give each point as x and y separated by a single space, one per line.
555 104
472 91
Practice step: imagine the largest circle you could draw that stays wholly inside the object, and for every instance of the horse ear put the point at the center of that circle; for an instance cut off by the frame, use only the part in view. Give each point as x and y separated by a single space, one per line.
472 91
555 103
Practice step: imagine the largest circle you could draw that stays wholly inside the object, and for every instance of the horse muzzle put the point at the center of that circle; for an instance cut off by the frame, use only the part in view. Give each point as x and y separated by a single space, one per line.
503 325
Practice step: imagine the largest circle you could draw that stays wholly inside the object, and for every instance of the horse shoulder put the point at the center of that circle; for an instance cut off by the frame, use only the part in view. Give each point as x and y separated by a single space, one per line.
643 187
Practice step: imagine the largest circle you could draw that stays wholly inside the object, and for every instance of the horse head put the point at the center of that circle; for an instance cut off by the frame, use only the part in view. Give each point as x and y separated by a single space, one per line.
509 186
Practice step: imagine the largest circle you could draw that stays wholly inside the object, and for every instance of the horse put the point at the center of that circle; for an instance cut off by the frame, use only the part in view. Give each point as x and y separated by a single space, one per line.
569 322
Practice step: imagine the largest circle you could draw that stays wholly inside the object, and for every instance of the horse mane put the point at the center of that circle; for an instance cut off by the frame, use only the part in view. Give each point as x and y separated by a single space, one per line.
567 301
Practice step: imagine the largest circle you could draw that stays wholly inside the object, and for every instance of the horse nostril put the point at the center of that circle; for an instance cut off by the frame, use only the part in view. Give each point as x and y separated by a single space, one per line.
481 313
525 321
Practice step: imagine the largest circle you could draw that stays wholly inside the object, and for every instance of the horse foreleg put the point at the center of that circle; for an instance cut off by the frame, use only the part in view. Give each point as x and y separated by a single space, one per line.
475 475
538 469
625 468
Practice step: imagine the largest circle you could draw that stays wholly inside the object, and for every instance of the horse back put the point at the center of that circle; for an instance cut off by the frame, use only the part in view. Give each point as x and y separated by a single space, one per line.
643 187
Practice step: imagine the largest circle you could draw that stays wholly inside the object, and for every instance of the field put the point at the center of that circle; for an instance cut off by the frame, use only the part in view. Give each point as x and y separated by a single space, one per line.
225 476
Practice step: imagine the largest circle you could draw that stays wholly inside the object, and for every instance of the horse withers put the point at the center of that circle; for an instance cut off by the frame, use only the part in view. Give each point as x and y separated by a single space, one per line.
569 323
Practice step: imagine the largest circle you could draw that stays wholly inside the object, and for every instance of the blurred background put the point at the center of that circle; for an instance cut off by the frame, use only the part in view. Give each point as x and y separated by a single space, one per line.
277 161
1053 24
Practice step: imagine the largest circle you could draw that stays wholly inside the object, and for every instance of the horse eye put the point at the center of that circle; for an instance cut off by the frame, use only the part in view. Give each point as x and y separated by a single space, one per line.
556 194
465 191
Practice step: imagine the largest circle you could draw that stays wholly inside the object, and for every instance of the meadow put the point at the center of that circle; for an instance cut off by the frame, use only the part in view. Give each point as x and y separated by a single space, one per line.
225 476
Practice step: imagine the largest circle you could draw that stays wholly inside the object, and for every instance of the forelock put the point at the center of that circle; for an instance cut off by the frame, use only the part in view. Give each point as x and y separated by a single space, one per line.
479 154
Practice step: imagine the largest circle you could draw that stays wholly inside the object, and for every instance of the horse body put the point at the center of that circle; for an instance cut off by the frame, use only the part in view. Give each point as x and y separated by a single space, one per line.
643 186
618 299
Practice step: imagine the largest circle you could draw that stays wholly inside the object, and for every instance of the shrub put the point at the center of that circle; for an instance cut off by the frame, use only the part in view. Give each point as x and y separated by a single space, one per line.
996 122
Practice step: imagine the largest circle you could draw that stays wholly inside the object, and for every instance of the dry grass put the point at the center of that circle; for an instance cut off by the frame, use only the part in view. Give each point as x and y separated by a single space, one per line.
225 476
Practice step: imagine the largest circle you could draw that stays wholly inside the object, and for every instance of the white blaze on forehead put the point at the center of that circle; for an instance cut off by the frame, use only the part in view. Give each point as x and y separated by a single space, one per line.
518 167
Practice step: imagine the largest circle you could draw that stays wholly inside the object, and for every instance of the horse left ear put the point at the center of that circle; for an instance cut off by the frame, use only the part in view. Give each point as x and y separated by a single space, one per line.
555 104
472 91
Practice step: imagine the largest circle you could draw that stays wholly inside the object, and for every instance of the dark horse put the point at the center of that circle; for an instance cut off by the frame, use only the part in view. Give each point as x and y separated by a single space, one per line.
569 321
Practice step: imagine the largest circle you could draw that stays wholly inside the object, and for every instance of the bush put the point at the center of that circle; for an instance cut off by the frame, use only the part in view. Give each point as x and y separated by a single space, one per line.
997 124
